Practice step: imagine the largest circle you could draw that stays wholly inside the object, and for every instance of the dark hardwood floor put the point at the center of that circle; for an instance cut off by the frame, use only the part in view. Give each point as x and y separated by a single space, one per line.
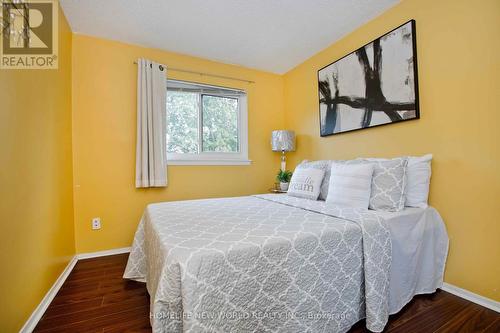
95 298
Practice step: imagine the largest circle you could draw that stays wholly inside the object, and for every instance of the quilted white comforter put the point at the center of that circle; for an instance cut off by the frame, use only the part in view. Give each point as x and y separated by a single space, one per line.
266 263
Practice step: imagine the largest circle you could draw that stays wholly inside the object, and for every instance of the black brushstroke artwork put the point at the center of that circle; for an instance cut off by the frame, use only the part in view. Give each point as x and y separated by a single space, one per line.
341 111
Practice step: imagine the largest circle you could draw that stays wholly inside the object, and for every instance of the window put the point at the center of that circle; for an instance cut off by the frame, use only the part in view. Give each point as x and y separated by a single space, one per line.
206 124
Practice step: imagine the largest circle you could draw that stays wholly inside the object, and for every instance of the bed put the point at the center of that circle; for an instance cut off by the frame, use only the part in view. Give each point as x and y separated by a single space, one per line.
278 263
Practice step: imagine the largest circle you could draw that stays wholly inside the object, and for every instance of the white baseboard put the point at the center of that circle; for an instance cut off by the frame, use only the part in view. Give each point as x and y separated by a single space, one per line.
37 314
35 317
111 252
470 296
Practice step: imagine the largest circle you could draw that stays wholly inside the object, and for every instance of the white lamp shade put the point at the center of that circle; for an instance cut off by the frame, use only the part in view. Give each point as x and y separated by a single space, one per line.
283 140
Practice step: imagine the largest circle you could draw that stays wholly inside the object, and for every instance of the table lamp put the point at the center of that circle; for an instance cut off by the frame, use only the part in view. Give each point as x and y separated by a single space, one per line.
283 141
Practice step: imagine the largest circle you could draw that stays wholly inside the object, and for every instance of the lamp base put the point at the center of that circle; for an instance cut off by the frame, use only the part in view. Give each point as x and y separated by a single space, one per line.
283 161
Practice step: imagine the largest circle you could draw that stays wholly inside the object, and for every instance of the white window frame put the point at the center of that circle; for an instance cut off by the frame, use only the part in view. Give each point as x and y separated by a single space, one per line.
217 158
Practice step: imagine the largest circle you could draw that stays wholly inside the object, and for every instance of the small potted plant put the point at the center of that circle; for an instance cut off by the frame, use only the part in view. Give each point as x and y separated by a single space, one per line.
283 177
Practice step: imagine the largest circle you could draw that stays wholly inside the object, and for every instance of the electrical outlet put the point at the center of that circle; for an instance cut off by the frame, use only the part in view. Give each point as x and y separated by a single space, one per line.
96 223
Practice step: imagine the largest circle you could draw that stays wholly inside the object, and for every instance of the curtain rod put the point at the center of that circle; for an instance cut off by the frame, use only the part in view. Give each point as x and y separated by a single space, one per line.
205 74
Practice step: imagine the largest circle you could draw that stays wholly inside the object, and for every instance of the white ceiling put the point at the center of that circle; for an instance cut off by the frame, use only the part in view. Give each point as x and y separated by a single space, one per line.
271 35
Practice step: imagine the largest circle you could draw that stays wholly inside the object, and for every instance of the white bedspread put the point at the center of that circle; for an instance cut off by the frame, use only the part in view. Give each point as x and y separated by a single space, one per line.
280 263
419 251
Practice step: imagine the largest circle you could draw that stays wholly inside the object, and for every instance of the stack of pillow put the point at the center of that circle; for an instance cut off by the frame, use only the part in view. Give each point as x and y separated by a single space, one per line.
367 183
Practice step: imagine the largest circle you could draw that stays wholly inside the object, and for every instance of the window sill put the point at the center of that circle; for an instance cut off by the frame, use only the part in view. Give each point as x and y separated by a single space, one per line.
209 162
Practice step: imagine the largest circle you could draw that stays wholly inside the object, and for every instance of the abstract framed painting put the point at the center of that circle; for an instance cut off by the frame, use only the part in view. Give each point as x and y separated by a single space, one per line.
375 85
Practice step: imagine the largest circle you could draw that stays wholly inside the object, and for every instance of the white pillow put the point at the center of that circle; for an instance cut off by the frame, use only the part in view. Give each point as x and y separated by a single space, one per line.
323 165
419 179
306 183
350 185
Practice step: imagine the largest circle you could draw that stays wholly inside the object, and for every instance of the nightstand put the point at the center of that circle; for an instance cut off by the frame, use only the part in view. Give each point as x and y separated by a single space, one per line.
275 190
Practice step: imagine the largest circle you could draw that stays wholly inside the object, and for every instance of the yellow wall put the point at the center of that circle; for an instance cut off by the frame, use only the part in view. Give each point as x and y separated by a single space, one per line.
36 208
459 81
104 127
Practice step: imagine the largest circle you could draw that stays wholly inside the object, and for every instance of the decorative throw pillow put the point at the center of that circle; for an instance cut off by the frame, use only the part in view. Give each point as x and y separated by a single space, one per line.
350 185
306 183
419 179
388 183
325 165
